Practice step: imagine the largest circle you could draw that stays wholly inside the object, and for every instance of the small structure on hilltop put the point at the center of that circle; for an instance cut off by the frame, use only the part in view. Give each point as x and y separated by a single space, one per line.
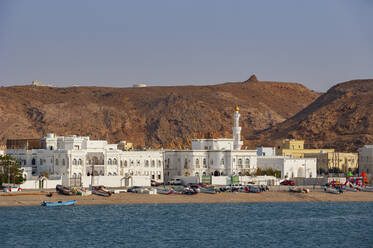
139 86
37 83
252 78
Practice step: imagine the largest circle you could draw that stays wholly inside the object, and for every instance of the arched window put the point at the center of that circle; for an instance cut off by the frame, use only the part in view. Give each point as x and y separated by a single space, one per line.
110 174
153 163
159 164
80 175
115 162
204 163
240 161
204 173
79 162
74 175
56 161
63 161
125 163
197 163
74 161
121 163
33 162
186 164
247 163
109 161
222 161
138 162
197 174
131 163
146 163
114 173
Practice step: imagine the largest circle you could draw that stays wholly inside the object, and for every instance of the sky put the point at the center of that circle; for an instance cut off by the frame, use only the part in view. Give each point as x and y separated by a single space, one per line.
318 43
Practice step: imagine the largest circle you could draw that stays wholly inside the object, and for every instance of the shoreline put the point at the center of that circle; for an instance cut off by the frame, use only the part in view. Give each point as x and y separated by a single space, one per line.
133 198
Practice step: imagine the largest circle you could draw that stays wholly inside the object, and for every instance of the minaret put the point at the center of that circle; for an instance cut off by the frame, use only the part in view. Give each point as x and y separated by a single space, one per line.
237 143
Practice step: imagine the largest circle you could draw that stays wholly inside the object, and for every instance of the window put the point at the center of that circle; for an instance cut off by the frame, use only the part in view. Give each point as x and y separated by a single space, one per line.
74 162
115 162
185 164
109 161
146 163
125 163
222 161
204 163
197 163
56 161
159 164
33 162
80 162
153 163
159 177
131 162
41 162
247 163
138 162
197 174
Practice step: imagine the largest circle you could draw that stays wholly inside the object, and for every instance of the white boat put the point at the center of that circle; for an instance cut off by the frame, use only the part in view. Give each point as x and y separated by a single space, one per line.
208 190
333 191
165 191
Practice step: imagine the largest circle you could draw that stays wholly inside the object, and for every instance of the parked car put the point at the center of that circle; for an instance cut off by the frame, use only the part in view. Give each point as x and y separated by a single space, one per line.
133 189
287 182
155 183
176 181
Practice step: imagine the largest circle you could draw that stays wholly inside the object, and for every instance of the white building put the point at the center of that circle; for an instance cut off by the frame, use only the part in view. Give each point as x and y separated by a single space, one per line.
224 157
266 151
366 160
72 158
289 167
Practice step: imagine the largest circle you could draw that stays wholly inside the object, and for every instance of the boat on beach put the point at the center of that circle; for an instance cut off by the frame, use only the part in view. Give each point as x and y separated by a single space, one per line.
101 191
63 190
165 191
252 189
333 191
208 190
59 203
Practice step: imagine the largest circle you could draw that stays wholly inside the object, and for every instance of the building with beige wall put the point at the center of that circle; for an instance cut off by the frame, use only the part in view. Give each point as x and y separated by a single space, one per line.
295 149
342 160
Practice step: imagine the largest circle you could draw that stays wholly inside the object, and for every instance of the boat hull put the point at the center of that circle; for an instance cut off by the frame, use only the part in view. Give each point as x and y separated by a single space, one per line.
55 204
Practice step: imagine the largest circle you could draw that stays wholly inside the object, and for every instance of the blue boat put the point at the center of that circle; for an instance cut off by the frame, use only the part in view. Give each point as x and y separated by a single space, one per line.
59 203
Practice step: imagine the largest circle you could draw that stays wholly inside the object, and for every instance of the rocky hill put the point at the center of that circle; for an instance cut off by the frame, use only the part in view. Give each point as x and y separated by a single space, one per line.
166 117
342 118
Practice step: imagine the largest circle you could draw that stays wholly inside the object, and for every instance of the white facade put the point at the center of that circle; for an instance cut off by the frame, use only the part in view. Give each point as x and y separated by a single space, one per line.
224 157
366 160
289 167
74 157
209 163
266 151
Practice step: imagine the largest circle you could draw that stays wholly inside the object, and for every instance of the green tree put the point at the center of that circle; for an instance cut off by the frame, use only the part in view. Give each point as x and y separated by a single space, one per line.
10 171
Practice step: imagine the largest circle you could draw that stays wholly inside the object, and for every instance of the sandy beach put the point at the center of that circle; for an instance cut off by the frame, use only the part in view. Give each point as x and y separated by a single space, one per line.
132 198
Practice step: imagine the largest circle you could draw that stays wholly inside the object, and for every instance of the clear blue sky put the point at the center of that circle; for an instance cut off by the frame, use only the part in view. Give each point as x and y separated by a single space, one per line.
117 43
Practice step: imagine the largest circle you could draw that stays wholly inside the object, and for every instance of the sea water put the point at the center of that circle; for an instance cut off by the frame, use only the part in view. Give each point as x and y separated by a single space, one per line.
301 224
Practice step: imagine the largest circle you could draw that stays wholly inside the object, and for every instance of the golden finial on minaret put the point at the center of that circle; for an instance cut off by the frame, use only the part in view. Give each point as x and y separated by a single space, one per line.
237 108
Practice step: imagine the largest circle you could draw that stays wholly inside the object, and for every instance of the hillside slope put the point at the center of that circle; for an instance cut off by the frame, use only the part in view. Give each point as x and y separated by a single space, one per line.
341 118
166 117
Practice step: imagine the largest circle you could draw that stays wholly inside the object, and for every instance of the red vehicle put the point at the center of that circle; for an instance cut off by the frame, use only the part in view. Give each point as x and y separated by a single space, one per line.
287 182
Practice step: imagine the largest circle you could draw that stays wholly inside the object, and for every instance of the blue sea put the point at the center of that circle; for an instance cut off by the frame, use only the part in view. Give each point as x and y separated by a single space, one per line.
299 224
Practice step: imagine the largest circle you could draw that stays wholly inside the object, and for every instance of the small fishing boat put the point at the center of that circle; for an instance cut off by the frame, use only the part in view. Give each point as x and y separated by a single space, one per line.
101 191
367 189
165 191
63 190
333 190
208 190
59 203
298 190
346 188
252 189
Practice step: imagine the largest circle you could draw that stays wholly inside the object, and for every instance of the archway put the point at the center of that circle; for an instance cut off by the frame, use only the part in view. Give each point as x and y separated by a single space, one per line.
216 173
